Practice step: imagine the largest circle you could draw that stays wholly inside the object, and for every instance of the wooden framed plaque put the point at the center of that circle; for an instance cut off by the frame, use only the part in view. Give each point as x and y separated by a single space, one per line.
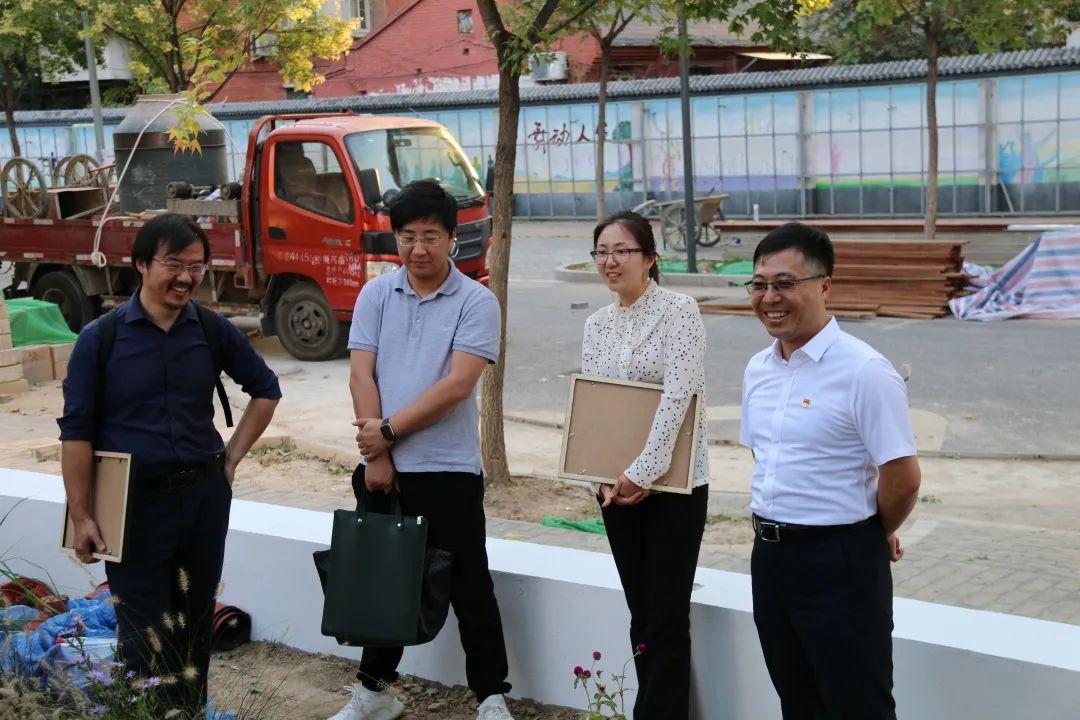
607 424
109 491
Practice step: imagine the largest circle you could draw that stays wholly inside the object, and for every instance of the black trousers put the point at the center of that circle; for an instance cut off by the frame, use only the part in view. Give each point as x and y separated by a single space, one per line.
655 545
453 503
167 584
823 610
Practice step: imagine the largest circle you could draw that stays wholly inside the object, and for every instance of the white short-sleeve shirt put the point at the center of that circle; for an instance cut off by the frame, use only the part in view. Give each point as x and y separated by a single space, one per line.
820 424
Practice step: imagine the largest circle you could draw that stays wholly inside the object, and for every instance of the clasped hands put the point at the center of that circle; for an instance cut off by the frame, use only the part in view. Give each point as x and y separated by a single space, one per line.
369 438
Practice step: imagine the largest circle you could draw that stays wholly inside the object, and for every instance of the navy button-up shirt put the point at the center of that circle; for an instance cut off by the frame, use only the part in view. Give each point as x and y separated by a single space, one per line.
158 399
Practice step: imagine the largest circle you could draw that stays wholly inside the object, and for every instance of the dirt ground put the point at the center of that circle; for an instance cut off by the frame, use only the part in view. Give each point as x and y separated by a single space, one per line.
294 685
527 499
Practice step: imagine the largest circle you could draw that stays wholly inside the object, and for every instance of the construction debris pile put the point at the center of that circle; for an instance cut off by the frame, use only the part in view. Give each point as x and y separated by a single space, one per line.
887 278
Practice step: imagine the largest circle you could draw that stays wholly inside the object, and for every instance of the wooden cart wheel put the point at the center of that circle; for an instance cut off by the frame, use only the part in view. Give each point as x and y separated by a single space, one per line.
673 226
24 189
78 171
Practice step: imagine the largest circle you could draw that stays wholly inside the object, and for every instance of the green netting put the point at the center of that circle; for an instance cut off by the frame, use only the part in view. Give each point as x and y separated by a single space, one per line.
712 267
36 322
592 525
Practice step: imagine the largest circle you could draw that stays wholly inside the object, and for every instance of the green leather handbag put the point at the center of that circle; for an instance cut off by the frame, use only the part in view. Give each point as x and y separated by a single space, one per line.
374 576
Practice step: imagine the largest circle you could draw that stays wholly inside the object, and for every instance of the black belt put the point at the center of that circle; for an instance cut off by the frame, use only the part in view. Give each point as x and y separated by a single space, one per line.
776 532
181 478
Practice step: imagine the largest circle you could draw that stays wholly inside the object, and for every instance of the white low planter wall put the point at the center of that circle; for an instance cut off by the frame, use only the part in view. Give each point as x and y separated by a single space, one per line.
558 605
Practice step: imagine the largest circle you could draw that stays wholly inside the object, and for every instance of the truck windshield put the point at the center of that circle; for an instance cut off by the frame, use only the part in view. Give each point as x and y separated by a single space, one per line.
408 154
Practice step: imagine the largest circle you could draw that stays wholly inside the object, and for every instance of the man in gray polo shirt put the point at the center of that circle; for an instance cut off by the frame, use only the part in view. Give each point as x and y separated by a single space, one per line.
420 339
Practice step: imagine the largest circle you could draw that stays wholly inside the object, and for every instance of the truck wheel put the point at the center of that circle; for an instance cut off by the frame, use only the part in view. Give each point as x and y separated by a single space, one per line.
306 325
63 289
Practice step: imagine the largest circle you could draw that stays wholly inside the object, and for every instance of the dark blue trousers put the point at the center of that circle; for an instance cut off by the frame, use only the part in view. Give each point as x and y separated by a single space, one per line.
167 584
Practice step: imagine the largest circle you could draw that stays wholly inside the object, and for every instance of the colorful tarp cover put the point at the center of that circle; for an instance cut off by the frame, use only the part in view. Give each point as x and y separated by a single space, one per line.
1041 282
36 322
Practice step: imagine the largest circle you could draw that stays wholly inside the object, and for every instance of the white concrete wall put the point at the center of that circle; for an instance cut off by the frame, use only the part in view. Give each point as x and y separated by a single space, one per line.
559 605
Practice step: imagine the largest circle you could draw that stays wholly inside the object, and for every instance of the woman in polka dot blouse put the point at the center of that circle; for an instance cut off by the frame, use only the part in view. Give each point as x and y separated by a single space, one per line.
656 336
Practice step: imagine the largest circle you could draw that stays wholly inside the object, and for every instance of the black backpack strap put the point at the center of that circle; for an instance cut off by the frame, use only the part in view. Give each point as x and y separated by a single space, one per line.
212 332
106 337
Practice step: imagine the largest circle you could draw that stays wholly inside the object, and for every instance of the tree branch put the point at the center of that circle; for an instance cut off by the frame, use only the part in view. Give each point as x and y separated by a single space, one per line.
582 11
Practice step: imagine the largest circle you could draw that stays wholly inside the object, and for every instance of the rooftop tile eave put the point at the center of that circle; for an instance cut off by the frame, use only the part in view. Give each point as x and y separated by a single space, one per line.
898 70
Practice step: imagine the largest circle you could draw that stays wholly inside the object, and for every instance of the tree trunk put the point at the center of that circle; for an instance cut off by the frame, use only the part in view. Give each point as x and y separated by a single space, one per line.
601 128
492 437
932 51
9 110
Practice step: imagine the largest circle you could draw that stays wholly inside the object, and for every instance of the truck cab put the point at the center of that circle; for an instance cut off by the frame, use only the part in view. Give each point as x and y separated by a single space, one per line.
318 192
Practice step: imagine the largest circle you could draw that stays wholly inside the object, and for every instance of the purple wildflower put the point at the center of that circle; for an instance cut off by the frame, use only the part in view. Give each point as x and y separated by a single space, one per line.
640 648
579 671
596 655
97 710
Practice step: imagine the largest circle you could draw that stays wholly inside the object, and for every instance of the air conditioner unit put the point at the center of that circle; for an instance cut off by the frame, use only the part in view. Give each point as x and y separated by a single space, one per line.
265 46
547 66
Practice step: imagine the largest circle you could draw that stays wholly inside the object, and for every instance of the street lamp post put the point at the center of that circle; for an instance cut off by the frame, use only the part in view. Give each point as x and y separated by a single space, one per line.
688 159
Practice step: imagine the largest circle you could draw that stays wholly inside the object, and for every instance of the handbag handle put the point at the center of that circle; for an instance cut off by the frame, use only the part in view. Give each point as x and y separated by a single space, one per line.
395 506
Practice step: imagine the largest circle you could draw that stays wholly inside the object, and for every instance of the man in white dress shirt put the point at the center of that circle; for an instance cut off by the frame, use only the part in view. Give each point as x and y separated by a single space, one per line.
835 475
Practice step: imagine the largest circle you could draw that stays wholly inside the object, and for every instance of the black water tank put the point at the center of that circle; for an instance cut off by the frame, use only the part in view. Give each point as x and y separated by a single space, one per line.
155 163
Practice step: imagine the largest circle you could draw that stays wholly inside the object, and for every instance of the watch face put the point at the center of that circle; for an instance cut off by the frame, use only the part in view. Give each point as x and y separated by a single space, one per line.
387 431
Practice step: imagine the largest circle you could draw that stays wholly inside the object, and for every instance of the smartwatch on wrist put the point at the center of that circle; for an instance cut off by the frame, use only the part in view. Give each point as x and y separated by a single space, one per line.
388 430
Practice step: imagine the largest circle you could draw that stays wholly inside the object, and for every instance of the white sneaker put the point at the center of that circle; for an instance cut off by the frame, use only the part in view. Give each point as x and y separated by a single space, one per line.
369 705
494 708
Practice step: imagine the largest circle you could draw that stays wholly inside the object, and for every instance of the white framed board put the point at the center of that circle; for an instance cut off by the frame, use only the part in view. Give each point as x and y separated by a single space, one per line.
109 492
607 424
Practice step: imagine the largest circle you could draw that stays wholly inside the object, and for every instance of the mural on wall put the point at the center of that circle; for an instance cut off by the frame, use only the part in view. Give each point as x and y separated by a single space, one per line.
858 148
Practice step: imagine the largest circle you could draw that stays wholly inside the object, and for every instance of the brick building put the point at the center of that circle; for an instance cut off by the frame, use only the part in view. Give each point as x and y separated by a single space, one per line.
407 46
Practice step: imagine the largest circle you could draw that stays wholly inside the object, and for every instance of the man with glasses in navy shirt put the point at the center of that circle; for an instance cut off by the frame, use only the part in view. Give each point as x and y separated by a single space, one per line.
141 381
835 475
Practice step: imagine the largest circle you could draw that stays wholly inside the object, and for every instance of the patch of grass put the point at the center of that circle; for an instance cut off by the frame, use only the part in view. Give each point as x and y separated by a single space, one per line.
930 499
724 518
278 454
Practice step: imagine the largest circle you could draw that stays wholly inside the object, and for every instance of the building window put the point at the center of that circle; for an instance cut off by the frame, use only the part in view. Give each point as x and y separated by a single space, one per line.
464 22
359 9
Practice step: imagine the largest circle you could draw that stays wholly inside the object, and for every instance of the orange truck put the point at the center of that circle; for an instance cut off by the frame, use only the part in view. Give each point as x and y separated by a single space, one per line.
309 227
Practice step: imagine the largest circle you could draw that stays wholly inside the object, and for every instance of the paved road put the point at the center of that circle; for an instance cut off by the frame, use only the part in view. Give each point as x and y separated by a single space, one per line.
1005 387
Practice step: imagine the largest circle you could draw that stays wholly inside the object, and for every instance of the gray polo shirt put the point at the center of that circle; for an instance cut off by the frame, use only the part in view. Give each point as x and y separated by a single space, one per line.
413 339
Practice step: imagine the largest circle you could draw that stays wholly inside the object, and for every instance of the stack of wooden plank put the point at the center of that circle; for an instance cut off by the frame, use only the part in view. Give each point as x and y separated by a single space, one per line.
887 278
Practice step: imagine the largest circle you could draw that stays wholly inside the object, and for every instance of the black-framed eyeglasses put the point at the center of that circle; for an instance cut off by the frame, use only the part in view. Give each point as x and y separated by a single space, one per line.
620 255
176 267
760 287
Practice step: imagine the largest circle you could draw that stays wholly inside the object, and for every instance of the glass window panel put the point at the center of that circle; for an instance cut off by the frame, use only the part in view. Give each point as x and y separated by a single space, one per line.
786 112
1008 100
706 117
1070 143
561 168
759 114
760 161
732 115
656 124
707 163
674 114
967 103
907 106
970 150
907 151
844 109
470 128
733 156
452 122
945 105
787 155
1039 151
845 153
1070 95
874 105
875 151
945 150
1040 98
819 155
819 111
1009 151
656 160
489 127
